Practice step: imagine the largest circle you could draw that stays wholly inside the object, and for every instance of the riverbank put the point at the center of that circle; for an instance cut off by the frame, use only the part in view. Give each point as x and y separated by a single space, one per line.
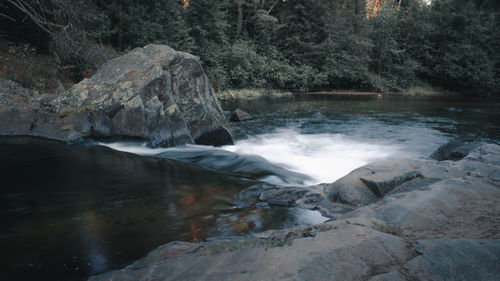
405 219
410 92
249 94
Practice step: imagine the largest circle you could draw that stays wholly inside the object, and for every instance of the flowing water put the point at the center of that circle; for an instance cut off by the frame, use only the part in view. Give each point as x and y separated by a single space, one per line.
68 212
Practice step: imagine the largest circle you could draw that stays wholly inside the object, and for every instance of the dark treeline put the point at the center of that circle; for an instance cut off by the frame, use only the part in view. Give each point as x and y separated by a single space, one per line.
294 44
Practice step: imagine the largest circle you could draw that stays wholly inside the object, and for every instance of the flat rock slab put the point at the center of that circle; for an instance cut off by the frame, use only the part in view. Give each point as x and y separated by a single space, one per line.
329 255
454 208
457 259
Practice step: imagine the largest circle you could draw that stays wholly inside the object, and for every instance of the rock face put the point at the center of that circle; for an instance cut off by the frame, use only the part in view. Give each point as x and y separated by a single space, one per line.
153 93
424 220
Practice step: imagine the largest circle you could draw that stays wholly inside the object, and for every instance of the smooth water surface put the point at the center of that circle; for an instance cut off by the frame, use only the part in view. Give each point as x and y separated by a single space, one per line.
68 212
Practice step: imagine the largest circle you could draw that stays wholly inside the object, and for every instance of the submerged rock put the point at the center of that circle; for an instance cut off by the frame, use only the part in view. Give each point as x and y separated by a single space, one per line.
153 93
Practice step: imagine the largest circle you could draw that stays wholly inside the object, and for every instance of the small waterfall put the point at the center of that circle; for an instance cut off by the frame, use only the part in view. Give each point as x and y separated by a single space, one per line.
323 157
285 156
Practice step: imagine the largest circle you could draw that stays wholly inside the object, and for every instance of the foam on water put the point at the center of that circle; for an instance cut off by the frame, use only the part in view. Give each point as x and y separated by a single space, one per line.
323 157
134 147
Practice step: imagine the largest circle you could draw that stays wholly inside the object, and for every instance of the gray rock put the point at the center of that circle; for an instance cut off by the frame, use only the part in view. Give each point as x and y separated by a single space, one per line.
454 150
308 197
153 93
367 184
390 276
250 196
351 190
457 259
14 121
262 205
455 207
240 116
415 184
102 124
312 254
215 137
283 196
382 183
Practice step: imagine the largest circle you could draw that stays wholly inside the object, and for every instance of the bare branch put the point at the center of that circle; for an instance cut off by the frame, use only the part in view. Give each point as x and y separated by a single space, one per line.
7 17
36 17
272 6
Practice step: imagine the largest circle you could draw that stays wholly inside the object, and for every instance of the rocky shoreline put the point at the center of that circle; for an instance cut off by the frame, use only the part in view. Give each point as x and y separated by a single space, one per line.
407 219
155 94
434 218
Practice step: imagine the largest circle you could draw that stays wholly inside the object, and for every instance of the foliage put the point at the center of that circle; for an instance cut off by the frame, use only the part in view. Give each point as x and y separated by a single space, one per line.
293 45
463 50
22 64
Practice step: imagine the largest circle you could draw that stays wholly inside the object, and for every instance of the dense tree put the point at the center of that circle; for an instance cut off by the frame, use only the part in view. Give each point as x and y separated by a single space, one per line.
345 52
462 46
74 28
392 62
384 45
138 24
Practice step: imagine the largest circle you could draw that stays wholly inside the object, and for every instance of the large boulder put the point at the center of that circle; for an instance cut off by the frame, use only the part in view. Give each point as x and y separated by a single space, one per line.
153 93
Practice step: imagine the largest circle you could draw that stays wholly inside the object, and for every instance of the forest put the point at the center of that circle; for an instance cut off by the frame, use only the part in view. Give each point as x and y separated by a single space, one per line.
298 45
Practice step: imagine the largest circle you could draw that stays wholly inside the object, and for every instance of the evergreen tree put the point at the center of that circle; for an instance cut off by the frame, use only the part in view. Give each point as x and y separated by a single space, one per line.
292 44
462 41
346 48
392 64
208 28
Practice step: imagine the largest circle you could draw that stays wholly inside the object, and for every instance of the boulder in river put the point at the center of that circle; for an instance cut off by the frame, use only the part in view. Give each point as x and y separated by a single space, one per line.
153 93
240 116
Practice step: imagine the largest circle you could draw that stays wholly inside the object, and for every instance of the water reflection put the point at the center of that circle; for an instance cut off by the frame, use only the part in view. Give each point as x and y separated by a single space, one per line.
68 212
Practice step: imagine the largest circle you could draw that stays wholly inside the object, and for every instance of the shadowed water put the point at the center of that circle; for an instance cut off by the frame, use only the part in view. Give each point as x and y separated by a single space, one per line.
71 211
67 212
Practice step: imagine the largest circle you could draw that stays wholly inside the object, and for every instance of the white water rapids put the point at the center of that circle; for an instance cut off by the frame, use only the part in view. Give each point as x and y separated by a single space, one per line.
323 157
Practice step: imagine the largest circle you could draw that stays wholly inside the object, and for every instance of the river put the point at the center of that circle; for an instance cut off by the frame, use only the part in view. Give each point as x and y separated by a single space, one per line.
68 212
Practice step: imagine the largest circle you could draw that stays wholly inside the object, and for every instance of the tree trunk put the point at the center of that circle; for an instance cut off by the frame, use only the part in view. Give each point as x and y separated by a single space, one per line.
239 19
